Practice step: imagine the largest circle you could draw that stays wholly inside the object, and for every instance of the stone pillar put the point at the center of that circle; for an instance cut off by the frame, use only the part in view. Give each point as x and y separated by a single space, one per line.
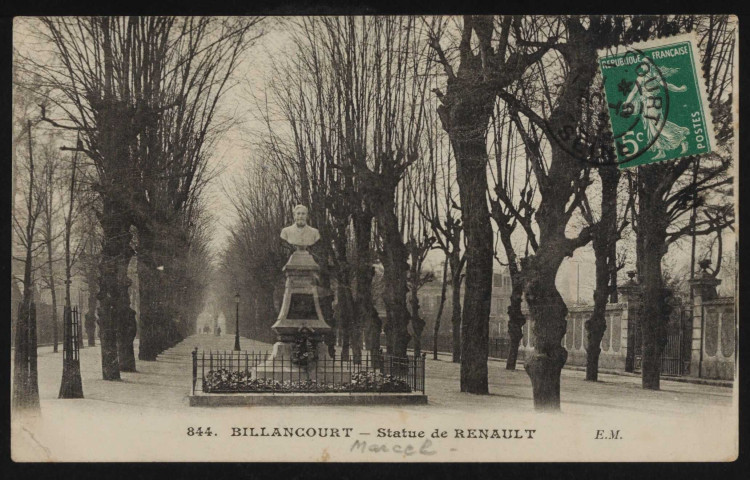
630 294
703 287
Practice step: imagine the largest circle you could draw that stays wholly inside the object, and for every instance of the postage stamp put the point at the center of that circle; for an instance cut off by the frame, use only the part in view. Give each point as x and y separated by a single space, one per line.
657 101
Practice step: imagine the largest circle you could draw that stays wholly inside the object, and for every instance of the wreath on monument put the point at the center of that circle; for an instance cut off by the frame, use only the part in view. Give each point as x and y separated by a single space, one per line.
304 350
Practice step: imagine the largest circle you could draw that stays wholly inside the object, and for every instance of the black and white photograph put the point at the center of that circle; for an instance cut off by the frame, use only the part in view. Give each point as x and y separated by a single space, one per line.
375 238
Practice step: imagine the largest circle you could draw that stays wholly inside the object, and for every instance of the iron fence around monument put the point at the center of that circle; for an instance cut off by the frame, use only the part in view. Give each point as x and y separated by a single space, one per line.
261 372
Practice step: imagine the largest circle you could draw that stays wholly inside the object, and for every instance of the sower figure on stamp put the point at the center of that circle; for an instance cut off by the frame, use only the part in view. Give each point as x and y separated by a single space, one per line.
671 136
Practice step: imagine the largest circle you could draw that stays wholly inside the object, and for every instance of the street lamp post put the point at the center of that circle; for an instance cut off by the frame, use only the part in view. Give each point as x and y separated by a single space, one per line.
237 322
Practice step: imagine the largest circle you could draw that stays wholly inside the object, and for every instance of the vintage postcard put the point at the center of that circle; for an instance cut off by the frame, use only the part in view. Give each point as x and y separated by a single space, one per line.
478 238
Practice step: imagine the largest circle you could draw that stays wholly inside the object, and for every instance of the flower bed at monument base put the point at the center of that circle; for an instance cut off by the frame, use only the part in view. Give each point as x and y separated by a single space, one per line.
226 381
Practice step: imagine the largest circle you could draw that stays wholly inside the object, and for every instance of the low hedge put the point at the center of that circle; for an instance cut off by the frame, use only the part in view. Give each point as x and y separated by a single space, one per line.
226 381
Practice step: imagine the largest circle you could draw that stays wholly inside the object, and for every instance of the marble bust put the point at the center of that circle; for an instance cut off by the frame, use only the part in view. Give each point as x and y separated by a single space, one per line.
300 234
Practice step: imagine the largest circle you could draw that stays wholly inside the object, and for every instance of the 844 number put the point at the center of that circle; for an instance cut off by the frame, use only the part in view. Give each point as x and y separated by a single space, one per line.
199 431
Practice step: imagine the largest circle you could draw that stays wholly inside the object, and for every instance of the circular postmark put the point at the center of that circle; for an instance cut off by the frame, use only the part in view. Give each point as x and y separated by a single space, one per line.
622 120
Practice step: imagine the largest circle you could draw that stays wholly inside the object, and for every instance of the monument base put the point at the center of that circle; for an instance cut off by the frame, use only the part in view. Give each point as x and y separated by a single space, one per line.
305 399
281 368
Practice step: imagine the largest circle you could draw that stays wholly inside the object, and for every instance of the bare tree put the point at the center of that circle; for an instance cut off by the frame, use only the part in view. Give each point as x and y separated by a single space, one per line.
440 209
87 266
485 66
191 71
25 378
49 232
564 177
511 207
366 101
670 194
142 92
606 232
419 240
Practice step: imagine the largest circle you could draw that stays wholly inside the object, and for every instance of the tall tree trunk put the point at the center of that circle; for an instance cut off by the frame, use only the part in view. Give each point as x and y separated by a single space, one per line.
344 310
548 311
20 397
33 386
25 389
126 332
376 327
653 328
55 332
53 292
465 114
151 303
558 187
436 329
345 300
417 322
604 242
546 306
365 272
48 214
113 283
395 268
388 326
471 157
114 140
516 320
266 315
650 248
90 323
596 324
456 269
325 296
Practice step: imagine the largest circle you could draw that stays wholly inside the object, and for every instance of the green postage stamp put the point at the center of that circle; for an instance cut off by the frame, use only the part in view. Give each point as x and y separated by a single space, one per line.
657 101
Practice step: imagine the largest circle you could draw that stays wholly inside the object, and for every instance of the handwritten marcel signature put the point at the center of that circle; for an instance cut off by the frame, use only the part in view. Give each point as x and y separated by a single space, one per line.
408 449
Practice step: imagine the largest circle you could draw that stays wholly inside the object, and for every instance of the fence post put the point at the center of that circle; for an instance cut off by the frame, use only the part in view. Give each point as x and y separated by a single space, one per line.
423 372
195 367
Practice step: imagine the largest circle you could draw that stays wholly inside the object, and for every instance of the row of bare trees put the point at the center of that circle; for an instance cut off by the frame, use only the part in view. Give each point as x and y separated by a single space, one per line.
49 228
405 135
353 111
140 98
541 69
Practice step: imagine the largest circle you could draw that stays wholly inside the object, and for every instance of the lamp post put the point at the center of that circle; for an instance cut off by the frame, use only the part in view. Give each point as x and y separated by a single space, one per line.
237 322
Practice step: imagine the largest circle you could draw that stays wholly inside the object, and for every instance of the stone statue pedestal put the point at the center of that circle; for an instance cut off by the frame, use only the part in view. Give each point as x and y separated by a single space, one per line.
300 308
301 317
